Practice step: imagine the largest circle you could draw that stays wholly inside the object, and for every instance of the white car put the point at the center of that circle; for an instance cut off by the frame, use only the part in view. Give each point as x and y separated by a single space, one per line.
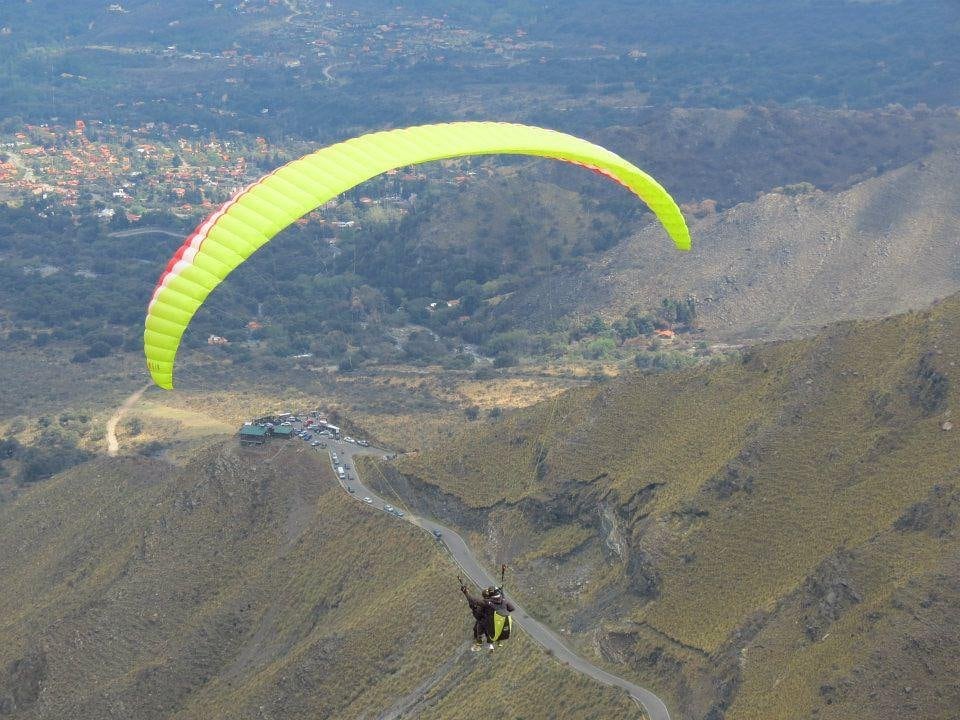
349 439
368 499
388 508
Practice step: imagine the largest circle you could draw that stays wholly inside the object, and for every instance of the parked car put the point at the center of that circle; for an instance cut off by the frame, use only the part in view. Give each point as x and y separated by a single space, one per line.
388 508
363 443
368 499
348 439
437 534
350 489
398 513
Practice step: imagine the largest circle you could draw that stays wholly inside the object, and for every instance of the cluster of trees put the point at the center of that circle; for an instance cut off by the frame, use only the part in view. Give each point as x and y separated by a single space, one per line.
473 413
341 302
52 451
68 281
601 339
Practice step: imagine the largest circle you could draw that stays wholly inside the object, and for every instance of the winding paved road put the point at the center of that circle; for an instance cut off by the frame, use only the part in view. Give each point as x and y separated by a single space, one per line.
133 232
455 544
542 635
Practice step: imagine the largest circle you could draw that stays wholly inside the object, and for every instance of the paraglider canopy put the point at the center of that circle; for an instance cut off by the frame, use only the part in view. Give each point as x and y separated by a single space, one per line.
252 217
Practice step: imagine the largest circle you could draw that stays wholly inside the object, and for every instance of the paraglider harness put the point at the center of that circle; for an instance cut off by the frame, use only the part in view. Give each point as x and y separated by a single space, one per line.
492 621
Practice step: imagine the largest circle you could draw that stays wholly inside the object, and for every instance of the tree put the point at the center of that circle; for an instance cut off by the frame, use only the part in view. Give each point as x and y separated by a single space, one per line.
53 453
683 312
625 329
10 448
595 325
98 349
599 348
119 221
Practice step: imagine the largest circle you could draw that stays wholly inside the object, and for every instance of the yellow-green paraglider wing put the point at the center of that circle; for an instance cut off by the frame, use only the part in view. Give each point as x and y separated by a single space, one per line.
247 221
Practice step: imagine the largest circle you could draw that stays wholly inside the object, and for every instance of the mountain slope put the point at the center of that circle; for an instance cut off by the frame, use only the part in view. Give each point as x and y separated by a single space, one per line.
789 262
770 537
244 585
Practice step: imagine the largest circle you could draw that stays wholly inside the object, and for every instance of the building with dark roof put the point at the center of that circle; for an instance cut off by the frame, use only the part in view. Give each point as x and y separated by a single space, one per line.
253 435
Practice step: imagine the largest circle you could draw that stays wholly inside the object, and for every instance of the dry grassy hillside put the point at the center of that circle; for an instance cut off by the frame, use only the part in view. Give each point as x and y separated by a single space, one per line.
245 585
772 538
789 262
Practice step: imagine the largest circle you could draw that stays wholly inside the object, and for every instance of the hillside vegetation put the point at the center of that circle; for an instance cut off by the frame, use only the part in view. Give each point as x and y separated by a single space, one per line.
772 538
244 585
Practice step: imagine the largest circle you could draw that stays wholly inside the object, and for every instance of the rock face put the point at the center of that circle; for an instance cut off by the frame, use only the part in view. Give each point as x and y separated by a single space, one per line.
21 681
936 515
828 593
930 387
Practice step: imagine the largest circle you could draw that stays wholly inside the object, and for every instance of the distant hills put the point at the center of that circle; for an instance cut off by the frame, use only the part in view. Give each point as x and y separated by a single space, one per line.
770 538
789 262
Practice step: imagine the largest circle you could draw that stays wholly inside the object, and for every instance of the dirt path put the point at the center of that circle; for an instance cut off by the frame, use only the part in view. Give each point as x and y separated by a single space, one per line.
113 447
